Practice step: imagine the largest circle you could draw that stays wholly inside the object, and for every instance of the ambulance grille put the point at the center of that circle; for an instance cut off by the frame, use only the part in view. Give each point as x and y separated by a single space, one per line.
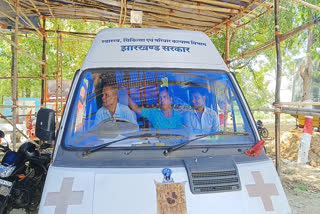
215 181
216 189
206 182
212 175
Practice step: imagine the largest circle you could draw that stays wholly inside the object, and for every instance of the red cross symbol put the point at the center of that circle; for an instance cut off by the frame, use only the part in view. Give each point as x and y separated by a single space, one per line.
61 200
262 190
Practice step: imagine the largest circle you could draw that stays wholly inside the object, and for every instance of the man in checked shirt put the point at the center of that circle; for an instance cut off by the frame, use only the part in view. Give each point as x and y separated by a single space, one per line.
111 108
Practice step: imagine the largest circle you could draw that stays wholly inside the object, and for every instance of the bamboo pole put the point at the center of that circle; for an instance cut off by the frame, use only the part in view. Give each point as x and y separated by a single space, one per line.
81 36
207 13
23 115
218 3
311 114
72 33
227 44
278 85
298 111
190 6
121 9
57 72
158 8
307 4
147 7
301 109
177 13
154 22
23 77
44 67
14 82
61 75
263 109
151 8
171 19
88 39
16 106
171 5
300 103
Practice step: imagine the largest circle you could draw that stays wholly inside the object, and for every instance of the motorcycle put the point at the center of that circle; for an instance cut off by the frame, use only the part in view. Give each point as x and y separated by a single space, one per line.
22 177
263 131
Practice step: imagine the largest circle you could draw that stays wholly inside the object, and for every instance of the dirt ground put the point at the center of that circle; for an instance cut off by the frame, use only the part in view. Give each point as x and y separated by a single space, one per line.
301 182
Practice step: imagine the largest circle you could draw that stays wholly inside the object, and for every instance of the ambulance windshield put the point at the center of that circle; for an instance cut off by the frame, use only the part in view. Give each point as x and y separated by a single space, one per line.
155 108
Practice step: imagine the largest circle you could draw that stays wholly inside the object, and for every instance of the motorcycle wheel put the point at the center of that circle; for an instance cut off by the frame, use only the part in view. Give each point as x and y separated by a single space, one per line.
264 133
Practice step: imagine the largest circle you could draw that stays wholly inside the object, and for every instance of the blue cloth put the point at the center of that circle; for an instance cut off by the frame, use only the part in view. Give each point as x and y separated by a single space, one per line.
208 122
91 104
159 121
122 111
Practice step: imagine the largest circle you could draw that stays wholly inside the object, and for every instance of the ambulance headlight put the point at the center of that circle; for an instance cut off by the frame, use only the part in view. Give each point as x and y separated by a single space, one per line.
6 171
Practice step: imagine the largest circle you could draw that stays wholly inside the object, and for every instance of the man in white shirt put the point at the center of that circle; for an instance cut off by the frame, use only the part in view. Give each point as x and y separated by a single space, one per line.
201 117
111 108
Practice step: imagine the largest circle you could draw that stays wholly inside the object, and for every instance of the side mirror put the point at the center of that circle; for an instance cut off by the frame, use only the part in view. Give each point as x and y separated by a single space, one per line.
3 148
1 134
45 125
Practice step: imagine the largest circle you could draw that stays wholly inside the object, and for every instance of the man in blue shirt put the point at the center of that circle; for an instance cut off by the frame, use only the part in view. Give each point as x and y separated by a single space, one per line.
161 118
111 108
201 117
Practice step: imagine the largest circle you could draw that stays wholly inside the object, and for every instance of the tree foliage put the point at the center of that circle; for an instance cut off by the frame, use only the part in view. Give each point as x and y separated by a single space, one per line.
251 72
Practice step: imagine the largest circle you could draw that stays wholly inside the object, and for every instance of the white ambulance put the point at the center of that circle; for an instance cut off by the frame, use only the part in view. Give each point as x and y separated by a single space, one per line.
156 123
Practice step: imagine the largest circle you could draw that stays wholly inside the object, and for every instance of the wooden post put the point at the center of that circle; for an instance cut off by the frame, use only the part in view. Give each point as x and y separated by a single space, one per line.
227 44
307 4
57 75
14 81
61 75
44 68
278 85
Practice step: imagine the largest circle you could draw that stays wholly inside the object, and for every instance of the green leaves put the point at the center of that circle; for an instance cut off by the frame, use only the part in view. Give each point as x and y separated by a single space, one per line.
251 72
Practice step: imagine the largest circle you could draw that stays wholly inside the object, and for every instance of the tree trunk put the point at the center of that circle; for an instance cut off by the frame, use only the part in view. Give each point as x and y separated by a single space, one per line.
306 75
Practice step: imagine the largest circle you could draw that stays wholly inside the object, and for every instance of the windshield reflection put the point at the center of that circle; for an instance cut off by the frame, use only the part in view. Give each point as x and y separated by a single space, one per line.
153 108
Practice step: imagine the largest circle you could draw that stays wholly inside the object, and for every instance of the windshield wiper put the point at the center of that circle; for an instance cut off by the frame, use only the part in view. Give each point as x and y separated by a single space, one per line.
85 153
176 147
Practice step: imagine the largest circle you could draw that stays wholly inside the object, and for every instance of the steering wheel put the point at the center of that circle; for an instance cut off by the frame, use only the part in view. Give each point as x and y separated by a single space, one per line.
116 119
120 126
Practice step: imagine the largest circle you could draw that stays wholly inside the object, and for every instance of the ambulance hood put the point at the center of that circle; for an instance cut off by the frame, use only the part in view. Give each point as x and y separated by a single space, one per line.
153 48
142 191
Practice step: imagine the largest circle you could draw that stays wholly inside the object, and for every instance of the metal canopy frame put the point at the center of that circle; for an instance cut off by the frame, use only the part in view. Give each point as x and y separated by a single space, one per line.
203 15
